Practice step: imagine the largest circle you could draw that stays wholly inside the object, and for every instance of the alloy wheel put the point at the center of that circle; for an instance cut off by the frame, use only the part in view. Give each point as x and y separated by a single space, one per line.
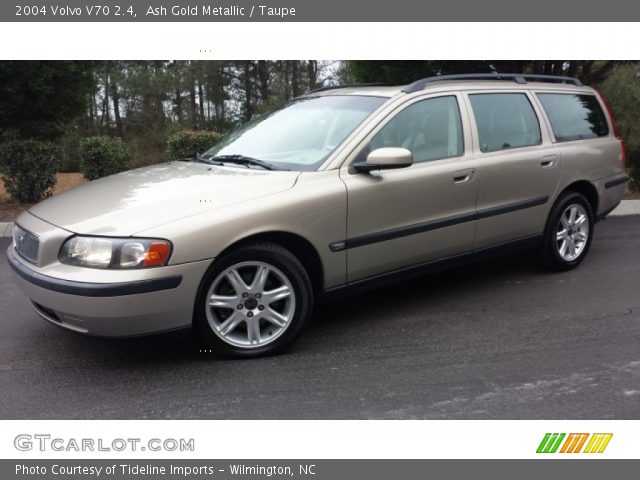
573 232
250 304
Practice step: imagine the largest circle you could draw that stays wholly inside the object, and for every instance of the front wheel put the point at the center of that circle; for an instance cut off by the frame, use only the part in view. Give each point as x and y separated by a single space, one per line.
568 232
255 301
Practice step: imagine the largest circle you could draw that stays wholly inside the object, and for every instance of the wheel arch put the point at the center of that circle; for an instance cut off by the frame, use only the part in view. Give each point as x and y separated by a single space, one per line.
299 246
587 189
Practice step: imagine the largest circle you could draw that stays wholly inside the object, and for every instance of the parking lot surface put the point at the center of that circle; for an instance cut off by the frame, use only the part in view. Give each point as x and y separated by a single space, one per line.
499 340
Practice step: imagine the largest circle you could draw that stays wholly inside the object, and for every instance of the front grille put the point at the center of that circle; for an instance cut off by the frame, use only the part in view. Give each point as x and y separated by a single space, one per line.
26 244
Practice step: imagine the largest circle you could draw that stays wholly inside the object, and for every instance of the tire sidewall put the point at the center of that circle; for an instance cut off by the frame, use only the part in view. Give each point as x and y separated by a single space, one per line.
290 267
552 227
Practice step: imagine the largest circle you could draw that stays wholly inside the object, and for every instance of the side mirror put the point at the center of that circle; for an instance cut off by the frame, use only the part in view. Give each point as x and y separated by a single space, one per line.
386 159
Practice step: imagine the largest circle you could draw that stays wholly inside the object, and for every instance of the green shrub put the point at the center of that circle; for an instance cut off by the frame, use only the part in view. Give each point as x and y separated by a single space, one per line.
102 156
188 143
622 89
29 169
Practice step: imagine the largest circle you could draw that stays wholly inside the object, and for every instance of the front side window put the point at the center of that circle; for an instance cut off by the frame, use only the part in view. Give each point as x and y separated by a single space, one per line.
301 135
574 117
430 129
505 120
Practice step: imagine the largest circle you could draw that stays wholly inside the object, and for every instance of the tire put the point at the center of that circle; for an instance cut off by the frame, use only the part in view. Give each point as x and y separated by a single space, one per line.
560 252
264 295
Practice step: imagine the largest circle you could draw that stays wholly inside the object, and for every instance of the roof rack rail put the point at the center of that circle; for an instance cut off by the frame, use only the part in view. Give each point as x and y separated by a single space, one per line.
516 77
347 85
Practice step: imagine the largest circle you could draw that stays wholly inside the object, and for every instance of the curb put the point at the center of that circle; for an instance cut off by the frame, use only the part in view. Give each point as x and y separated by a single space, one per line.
6 229
626 207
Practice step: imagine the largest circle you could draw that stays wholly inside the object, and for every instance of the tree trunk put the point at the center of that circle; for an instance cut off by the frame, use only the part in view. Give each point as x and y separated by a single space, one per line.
116 108
287 75
106 115
312 73
115 96
557 67
92 106
248 92
295 78
263 77
201 101
216 94
177 101
192 104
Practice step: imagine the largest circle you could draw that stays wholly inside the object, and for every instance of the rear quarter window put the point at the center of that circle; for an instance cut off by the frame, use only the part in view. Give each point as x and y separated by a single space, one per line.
574 116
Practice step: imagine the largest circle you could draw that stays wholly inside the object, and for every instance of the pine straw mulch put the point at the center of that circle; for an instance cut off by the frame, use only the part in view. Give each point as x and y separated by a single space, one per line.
10 209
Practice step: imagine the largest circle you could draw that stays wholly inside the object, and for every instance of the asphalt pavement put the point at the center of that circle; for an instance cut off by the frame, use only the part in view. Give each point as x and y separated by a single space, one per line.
498 340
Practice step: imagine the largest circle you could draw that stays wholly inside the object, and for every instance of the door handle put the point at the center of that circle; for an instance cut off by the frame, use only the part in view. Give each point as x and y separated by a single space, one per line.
548 161
463 176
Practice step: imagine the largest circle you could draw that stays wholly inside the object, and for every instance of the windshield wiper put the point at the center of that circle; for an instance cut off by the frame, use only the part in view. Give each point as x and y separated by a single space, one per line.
202 159
243 160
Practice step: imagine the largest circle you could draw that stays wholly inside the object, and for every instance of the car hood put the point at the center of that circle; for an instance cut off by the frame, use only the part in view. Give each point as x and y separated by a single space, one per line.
133 201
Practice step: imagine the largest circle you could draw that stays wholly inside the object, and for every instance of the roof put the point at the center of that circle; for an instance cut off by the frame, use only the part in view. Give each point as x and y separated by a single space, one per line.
367 90
447 83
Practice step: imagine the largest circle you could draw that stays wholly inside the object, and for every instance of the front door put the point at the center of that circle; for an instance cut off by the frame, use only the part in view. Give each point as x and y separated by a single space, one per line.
397 218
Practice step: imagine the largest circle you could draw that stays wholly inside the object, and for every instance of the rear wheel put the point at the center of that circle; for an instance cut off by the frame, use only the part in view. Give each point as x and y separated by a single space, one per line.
255 301
568 232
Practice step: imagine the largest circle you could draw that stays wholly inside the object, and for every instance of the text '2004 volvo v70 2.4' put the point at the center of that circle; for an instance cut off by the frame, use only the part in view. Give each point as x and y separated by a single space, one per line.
342 188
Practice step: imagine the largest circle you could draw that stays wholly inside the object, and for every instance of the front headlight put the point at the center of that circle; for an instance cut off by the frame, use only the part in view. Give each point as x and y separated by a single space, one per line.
105 252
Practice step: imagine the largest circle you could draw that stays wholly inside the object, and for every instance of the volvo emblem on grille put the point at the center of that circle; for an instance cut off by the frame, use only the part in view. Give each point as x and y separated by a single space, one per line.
26 244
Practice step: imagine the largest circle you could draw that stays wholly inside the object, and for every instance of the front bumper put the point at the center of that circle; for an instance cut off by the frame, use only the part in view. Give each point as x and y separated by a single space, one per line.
127 307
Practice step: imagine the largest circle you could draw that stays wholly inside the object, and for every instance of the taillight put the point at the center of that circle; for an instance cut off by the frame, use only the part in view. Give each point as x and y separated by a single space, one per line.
623 148
609 112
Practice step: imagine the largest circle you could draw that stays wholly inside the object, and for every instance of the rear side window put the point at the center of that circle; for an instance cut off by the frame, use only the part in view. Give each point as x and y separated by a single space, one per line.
574 117
431 129
505 120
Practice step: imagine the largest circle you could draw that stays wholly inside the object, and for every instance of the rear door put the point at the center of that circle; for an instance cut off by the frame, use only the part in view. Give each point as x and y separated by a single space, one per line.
586 141
398 218
519 167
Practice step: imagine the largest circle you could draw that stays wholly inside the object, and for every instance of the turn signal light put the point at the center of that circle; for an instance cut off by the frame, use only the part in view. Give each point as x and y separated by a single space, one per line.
156 254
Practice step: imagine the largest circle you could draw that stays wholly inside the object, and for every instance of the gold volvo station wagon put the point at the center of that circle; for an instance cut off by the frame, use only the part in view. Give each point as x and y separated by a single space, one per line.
343 188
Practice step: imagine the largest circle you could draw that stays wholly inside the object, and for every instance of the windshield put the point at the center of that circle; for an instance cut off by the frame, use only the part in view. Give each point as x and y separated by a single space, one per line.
301 135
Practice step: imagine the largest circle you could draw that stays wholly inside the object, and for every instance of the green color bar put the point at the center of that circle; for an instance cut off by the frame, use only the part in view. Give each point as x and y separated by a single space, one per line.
543 443
550 443
558 442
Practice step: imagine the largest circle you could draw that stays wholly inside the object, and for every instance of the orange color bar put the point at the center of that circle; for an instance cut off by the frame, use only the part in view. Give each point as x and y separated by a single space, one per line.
583 439
566 444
